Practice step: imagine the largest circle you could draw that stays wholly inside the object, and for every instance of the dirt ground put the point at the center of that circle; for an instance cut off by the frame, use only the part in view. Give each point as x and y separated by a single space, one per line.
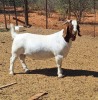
80 69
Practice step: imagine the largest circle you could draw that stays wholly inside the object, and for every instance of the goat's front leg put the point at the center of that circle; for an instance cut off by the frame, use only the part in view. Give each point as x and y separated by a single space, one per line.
22 60
59 64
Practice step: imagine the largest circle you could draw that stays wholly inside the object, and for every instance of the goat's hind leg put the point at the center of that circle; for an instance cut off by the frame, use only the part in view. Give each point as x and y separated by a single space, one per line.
22 60
12 61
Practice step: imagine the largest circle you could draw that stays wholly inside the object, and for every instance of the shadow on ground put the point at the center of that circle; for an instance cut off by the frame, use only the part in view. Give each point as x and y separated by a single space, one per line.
66 72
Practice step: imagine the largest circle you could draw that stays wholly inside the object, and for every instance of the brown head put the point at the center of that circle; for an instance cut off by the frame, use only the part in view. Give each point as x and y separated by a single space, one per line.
71 30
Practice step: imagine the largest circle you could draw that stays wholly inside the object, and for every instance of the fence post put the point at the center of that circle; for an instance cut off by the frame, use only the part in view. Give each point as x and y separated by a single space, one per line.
46 16
94 18
26 12
4 14
69 9
15 11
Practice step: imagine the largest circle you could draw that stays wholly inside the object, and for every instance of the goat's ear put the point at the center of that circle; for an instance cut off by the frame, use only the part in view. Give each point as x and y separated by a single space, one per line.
65 32
78 28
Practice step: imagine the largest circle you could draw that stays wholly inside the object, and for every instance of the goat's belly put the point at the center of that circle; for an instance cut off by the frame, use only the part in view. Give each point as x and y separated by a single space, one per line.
40 55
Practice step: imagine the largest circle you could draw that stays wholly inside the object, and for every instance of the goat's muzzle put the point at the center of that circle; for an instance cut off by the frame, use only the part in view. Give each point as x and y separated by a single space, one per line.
73 37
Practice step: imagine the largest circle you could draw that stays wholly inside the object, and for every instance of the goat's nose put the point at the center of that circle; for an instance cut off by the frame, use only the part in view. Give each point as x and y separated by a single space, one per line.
74 32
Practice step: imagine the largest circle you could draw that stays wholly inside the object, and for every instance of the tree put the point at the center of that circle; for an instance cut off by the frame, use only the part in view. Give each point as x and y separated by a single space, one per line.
78 7
62 8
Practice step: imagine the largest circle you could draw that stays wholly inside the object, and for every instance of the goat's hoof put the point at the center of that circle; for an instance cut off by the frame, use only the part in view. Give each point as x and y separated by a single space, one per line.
60 76
11 73
27 71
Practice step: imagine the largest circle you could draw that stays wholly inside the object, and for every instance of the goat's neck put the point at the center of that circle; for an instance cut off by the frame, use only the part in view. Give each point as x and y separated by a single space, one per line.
67 38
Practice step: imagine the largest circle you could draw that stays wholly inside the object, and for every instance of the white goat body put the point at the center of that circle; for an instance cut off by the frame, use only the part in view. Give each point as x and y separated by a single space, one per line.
39 47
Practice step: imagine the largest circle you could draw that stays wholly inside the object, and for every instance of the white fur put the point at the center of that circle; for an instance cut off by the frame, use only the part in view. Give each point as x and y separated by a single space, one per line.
74 23
19 28
38 47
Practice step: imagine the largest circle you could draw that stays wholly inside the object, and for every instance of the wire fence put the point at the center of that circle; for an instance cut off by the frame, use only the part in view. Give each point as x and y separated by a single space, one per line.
45 13
9 12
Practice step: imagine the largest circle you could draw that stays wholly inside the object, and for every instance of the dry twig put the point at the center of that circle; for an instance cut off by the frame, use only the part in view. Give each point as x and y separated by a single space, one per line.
38 95
7 85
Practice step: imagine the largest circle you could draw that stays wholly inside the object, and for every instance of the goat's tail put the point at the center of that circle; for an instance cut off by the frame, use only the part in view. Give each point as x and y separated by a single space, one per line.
12 29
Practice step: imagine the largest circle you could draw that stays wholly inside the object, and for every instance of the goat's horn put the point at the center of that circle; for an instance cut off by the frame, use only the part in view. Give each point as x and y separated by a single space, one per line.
67 21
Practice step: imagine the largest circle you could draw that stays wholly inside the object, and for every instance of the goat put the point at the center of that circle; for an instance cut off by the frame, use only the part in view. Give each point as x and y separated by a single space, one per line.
43 46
